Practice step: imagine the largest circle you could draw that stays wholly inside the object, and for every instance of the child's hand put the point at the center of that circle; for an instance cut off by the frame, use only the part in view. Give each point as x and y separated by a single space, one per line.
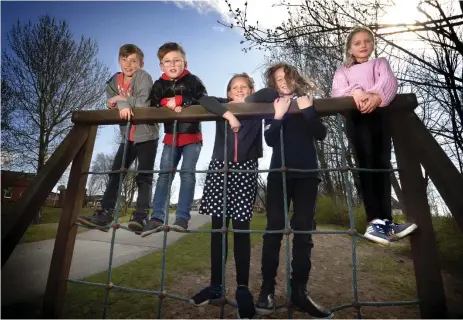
281 106
178 109
110 105
373 101
235 125
360 98
171 103
126 113
305 102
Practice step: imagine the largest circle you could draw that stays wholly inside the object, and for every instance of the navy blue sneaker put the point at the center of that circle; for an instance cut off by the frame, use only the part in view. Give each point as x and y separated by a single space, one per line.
203 297
378 231
400 230
245 302
138 221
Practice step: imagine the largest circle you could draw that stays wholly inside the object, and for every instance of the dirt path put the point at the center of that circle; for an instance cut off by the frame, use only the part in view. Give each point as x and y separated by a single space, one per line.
330 282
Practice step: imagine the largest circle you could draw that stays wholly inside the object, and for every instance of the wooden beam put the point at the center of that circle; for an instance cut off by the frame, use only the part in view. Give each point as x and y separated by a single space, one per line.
423 242
67 230
24 210
324 107
443 173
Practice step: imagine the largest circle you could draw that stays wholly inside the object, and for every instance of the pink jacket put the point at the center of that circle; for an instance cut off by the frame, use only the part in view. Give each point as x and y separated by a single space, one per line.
373 76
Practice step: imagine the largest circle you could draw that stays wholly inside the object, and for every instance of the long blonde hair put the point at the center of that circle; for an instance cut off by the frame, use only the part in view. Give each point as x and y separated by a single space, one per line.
349 59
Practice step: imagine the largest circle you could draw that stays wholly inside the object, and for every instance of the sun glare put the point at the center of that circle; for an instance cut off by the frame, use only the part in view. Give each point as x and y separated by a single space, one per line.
404 11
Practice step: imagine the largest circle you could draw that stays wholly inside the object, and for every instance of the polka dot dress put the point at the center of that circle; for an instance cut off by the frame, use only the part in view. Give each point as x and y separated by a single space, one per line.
241 190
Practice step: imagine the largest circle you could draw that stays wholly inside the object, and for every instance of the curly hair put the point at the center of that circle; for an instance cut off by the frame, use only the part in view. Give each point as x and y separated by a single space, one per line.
243 75
301 86
349 59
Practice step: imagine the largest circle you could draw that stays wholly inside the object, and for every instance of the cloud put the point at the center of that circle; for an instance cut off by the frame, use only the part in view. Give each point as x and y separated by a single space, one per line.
218 28
266 12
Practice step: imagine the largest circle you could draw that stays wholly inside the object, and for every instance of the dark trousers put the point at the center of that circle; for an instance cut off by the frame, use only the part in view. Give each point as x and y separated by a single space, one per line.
145 152
370 136
242 250
303 193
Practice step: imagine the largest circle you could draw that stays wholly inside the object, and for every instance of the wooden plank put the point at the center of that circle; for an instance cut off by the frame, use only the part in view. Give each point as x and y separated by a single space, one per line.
24 210
443 173
67 230
423 242
324 107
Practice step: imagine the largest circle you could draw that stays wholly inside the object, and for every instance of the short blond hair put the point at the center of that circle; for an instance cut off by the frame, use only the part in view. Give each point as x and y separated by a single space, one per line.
349 59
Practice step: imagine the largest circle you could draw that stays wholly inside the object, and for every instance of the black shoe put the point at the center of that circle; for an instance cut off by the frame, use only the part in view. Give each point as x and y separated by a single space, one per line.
138 221
180 225
300 298
100 218
212 292
266 302
245 302
152 226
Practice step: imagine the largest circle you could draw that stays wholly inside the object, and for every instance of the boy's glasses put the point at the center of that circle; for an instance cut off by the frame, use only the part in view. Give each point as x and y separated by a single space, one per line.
169 63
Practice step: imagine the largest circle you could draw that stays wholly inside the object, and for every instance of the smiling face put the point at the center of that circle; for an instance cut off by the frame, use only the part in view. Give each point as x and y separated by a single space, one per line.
130 64
283 86
361 46
239 89
173 64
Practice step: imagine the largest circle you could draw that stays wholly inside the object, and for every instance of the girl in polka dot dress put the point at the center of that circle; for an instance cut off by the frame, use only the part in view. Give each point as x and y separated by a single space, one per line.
244 148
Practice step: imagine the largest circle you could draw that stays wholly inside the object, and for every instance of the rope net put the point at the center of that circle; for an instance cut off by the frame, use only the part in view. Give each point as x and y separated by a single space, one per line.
162 293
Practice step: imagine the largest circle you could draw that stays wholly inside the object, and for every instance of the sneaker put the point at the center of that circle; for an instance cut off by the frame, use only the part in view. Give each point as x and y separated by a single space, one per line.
100 218
400 230
378 231
266 301
245 302
180 225
137 221
301 299
152 226
212 292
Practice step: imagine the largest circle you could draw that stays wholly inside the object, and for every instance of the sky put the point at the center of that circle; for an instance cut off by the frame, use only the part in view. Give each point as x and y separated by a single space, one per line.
214 53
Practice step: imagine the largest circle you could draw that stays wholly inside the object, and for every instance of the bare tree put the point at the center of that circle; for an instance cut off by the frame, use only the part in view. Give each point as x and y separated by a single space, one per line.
49 75
98 182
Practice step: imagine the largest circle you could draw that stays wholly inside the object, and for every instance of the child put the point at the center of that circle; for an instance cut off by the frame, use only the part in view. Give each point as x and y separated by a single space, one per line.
299 133
177 88
373 86
126 90
241 191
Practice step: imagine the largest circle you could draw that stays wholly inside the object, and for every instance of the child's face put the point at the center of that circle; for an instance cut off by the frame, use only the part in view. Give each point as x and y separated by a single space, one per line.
283 87
173 64
130 64
361 46
239 90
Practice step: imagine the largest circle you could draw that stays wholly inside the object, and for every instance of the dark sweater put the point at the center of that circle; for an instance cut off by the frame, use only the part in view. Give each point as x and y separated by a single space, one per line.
249 136
299 134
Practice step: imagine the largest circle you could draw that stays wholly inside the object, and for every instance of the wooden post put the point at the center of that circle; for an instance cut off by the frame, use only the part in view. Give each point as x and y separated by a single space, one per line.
67 230
423 242
441 170
25 209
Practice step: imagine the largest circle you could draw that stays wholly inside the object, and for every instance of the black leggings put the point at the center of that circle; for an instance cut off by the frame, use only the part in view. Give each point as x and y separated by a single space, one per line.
242 248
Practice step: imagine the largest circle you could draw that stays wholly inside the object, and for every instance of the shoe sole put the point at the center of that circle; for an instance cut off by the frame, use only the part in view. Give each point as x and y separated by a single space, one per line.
135 226
405 232
178 228
90 224
264 312
379 240
147 233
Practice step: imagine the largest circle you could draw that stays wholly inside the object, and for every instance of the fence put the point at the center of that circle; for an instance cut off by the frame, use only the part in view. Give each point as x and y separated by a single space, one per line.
414 146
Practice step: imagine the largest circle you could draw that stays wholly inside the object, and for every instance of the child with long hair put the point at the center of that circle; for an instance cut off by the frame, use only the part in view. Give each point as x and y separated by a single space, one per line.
244 148
373 86
299 135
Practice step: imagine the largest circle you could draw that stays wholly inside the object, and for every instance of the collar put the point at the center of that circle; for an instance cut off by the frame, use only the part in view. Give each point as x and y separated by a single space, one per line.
184 73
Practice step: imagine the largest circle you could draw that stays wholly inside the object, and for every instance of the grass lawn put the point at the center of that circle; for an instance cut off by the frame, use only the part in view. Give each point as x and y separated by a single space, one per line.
189 254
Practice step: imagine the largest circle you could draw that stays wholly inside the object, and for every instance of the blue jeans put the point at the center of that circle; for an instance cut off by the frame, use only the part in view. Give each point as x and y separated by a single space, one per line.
190 154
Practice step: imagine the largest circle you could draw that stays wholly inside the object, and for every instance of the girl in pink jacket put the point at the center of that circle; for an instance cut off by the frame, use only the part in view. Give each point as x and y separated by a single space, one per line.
373 86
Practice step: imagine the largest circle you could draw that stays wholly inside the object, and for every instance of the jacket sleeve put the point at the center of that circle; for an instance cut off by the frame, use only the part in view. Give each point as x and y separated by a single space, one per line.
386 82
141 97
213 105
272 131
263 95
156 94
315 124
197 92
341 86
